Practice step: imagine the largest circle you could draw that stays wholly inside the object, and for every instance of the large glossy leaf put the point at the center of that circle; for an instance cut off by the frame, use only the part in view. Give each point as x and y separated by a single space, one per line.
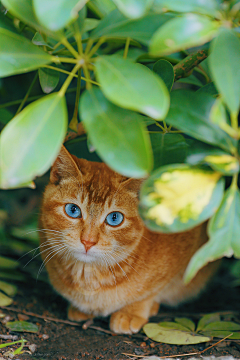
18 54
48 79
224 65
224 233
132 86
189 112
168 149
23 10
165 70
56 14
182 33
31 141
118 135
116 25
200 6
177 197
169 336
133 8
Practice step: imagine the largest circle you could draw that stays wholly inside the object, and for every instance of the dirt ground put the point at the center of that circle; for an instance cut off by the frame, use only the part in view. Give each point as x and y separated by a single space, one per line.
58 340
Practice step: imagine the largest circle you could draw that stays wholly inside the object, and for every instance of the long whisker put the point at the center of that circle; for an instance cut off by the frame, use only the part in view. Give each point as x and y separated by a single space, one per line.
41 252
45 263
108 254
122 259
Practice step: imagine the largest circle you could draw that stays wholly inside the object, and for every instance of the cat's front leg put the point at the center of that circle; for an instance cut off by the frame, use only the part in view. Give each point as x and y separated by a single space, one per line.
131 318
76 315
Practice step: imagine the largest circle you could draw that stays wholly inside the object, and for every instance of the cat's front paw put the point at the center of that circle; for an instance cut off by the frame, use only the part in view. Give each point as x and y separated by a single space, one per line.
124 323
75 315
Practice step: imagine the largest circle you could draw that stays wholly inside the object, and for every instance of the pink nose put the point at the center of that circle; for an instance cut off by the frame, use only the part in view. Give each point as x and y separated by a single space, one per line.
88 244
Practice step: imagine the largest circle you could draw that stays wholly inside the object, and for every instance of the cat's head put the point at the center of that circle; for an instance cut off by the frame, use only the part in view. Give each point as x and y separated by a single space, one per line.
91 210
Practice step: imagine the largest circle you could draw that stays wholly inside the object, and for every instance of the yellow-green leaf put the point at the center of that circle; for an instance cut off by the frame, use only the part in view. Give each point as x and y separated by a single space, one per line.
9 289
5 300
177 337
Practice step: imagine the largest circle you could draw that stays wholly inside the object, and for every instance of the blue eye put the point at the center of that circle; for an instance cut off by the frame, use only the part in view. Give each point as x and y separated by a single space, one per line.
115 218
73 210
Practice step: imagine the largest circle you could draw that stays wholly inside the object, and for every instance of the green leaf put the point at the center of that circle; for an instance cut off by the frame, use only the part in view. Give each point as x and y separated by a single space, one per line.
12 275
207 319
118 135
22 326
172 326
18 54
133 8
12 343
182 33
23 10
89 24
192 79
225 50
132 86
9 289
177 337
56 14
223 334
81 18
165 70
209 89
198 150
116 25
168 149
222 325
101 7
188 323
177 197
31 141
5 116
208 7
38 40
189 112
48 79
5 300
6 263
224 230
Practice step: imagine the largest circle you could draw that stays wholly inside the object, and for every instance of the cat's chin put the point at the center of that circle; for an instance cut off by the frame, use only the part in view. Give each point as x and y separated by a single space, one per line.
85 257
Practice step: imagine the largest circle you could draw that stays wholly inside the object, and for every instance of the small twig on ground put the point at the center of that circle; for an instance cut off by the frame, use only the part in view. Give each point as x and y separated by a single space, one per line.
8 337
102 330
87 324
180 355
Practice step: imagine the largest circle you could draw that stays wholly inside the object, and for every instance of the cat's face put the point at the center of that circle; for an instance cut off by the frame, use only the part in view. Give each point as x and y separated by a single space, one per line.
91 211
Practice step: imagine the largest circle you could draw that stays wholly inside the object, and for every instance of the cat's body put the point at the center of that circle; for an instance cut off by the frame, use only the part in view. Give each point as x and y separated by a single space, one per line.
124 270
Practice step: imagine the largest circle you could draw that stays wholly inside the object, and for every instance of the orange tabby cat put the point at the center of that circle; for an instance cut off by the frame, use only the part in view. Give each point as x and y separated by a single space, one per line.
101 257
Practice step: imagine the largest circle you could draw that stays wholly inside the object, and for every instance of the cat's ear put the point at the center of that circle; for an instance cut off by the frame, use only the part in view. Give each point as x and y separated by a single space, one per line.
133 185
63 167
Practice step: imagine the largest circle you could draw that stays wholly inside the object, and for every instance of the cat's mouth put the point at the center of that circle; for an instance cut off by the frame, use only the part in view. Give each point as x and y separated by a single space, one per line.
87 257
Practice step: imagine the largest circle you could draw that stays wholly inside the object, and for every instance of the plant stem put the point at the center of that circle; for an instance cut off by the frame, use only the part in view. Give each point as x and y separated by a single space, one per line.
234 120
234 184
70 47
89 45
126 48
96 47
87 75
27 94
68 73
185 66
58 60
32 98
77 94
68 80
78 38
